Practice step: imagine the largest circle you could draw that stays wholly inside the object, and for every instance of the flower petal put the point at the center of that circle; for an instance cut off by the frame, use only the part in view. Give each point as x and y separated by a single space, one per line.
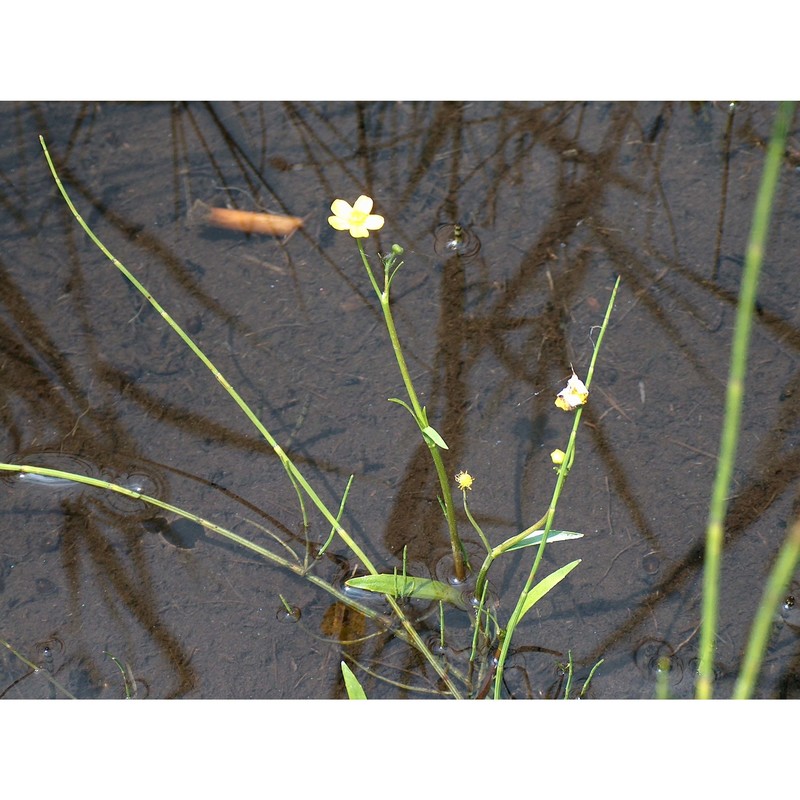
363 204
573 395
338 223
342 209
373 222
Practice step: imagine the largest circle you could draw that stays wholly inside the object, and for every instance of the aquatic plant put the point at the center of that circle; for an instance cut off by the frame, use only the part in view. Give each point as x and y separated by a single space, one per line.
490 638
572 397
788 557
492 632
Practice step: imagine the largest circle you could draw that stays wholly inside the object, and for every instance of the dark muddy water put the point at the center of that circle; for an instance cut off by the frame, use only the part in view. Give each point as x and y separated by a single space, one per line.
556 200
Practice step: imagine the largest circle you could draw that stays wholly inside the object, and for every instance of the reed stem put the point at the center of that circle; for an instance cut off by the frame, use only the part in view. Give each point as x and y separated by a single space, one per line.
715 528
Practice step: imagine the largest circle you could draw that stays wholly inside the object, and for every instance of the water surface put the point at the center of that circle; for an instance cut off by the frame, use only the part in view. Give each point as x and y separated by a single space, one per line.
560 199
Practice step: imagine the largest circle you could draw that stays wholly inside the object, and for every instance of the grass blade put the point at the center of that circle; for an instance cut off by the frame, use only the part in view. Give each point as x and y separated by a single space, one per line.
715 531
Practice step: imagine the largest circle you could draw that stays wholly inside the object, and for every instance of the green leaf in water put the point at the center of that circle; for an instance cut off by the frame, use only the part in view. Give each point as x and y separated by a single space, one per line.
354 689
546 584
409 586
535 537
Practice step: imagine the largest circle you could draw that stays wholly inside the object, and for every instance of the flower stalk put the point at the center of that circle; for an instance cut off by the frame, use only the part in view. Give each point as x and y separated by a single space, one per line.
417 410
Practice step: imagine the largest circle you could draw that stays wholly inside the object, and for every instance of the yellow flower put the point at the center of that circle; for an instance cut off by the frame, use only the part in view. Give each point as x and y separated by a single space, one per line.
356 218
574 394
464 481
557 457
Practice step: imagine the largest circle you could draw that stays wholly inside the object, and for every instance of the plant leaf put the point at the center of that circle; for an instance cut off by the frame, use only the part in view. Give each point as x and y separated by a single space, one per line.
432 434
535 537
408 586
405 405
545 585
354 689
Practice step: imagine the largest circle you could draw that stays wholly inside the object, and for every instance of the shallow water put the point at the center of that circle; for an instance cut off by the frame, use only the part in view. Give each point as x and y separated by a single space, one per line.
516 219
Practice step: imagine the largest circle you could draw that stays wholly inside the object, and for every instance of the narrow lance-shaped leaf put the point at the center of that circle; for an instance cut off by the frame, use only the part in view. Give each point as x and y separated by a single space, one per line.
545 585
432 434
535 537
354 689
408 586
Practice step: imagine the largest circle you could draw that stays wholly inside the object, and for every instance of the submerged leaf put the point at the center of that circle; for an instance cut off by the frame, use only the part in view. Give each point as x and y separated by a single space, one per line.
408 586
354 689
535 537
545 585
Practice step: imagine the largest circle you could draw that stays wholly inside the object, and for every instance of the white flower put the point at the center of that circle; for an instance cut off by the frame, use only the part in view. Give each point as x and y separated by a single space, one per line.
574 394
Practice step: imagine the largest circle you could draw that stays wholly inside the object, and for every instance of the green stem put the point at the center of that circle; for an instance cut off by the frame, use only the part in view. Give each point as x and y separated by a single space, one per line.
551 511
417 409
496 552
779 579
293 472
38 670
409 634
715 529
477 528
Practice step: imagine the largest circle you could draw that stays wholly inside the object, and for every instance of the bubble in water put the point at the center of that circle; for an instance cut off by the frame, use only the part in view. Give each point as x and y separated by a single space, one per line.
452 239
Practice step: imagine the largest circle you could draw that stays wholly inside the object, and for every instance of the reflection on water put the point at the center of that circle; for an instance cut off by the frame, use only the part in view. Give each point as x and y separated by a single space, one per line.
563 197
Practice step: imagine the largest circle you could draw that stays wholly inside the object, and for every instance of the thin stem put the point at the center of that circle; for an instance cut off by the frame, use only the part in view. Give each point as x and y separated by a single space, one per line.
570 672
408 634
418 411
475 525
36 670
562 476
293 472
733 401
779 579
516 615
495 552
